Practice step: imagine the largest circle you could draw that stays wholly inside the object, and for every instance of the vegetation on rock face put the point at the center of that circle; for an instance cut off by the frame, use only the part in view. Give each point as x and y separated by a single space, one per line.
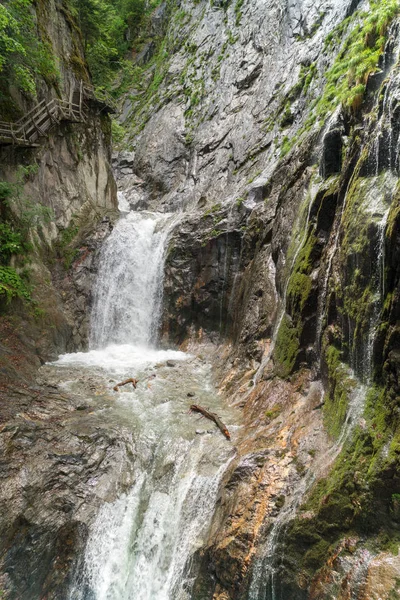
25 51
19 217
358 56
109 29
360 42
11 244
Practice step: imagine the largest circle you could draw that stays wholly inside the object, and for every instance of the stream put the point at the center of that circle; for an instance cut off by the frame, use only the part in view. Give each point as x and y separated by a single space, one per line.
142 546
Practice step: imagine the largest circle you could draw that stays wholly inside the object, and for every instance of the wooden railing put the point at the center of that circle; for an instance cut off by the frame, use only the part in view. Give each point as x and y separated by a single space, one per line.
45 115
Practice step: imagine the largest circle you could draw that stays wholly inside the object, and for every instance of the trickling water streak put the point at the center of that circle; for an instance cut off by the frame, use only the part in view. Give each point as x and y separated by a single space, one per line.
331 255
224 273
379 277
264 585
282 312
128 292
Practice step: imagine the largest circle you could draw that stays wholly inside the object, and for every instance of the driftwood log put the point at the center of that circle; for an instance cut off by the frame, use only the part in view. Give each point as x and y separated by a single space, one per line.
133 381
212 417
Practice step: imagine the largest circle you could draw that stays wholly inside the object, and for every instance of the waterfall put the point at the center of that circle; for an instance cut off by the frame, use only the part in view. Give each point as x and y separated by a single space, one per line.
143 545
379 283
128 292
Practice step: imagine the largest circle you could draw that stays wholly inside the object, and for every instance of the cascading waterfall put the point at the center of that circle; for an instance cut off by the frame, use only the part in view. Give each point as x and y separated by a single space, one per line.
379 284
142 545
127 301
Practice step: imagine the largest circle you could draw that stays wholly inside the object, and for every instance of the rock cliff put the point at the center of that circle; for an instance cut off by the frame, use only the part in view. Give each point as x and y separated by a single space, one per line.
62 187
273 126
61 193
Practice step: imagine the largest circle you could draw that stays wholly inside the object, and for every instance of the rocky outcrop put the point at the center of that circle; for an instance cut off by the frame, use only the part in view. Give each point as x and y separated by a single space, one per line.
61 463
63 189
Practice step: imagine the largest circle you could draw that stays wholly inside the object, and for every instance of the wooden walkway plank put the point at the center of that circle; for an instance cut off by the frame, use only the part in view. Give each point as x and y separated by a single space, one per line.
45 115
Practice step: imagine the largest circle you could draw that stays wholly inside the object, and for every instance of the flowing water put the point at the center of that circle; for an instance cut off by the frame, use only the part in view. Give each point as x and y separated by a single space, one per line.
128 293
143 545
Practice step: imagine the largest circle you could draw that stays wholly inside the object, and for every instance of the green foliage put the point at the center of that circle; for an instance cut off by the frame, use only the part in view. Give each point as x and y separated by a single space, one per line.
27 213
66 245
110 28
24 53
21 216
360 40
11 242
286 347
358 58
12 285
117 132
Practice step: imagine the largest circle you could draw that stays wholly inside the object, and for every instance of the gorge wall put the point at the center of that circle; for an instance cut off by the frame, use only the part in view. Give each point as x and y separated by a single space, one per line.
273 126
57 192
58 200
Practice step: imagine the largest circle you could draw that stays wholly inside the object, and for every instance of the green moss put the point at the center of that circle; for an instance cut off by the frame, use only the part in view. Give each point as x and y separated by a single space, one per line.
394 213
359 495
341 385
286 146
300 284
270 415
316 555
287 117
66 247
299 289
214 209
253 177
286 347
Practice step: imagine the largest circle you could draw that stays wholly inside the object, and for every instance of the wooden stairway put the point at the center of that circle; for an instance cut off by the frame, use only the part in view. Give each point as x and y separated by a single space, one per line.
35 124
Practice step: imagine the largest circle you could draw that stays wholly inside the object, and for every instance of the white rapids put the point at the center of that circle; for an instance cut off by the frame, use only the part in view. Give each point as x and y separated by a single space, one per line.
143 546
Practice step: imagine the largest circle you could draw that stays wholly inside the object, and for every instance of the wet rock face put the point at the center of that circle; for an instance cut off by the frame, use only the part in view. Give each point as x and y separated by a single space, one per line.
219 277
200 273
61 465
230 77
301 229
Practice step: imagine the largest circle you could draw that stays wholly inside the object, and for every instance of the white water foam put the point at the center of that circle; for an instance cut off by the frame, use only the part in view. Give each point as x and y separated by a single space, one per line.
118 358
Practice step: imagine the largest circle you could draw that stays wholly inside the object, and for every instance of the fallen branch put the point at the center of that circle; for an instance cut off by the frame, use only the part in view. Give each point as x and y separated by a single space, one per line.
212 417
133 381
